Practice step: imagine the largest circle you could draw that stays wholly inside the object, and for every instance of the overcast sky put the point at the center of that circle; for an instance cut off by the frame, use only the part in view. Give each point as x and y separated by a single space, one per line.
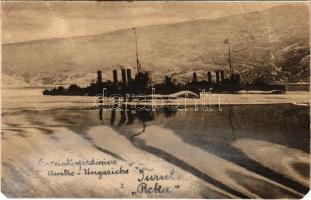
26 21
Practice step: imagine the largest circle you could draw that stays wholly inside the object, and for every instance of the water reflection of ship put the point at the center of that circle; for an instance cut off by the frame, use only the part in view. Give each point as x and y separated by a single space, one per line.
129 114
142 84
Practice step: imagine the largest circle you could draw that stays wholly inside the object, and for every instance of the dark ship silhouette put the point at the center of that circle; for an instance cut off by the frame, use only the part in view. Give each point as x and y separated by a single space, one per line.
141 84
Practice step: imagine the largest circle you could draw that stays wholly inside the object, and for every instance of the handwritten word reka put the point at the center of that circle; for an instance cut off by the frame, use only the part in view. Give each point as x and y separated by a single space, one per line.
151 183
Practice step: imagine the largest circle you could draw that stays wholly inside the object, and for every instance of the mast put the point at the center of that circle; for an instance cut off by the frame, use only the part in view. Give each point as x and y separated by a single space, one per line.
231 68
137 60
229 54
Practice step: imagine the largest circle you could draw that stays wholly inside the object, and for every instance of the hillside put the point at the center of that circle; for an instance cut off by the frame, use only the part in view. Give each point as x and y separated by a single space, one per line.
273 44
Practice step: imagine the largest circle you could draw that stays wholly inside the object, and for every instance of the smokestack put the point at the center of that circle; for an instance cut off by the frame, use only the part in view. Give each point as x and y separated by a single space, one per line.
217 77
123 73
195 77
115 76
209 77
222 75
99 77
129 76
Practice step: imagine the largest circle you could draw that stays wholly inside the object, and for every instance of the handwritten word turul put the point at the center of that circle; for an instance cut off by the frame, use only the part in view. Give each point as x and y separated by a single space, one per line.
153 183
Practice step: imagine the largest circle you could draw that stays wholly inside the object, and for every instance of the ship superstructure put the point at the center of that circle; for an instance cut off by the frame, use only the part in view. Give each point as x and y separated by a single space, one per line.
215 81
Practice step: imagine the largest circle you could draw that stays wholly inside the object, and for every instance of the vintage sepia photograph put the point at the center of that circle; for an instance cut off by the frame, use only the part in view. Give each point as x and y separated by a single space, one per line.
155 99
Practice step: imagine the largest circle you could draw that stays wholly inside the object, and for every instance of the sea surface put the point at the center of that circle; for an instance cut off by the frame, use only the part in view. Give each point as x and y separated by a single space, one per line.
244 150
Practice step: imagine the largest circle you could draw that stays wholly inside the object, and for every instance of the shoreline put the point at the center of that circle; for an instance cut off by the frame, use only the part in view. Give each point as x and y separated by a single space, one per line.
32 99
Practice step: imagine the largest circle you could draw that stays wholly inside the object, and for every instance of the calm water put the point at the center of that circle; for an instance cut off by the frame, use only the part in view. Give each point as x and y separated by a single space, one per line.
212 131
233 134
283 124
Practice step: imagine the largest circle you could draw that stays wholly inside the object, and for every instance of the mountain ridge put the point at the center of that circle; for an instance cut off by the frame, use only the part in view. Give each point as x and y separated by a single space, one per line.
261 43
204 19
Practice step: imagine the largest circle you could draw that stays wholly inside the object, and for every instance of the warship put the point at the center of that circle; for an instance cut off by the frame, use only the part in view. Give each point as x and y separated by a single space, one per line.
141 84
